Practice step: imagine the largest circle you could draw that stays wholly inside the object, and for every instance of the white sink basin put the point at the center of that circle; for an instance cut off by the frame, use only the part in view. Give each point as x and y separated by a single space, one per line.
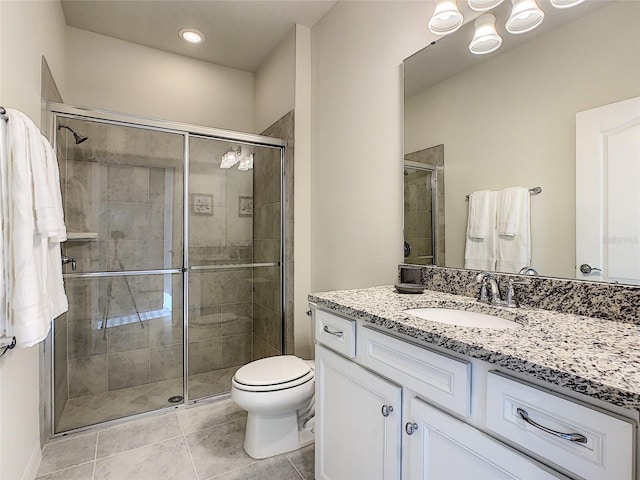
462 318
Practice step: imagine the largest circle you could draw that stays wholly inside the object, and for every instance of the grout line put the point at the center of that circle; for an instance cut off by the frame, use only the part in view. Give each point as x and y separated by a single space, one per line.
64 469
302 477
193 463
95 457
141 446
224 474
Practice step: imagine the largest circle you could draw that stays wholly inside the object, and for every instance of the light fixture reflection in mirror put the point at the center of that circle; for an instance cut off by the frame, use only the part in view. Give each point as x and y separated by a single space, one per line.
525 16
486 38
446 18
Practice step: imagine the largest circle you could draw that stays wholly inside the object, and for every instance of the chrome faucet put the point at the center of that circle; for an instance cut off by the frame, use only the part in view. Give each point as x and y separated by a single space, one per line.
512 301
489 289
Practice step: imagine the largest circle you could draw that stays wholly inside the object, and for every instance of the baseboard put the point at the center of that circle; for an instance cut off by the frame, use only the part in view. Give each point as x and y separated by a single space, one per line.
34 462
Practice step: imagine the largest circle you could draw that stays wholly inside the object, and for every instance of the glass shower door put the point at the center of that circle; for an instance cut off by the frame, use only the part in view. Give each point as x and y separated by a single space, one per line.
419 239
118 351
234 251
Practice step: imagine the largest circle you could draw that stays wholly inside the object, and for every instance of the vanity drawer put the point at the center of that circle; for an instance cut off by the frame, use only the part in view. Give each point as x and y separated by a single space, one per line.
436 377
337 333
605 450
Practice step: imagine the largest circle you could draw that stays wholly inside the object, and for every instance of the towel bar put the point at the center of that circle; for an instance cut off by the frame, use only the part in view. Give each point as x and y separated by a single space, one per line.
532 191
7 343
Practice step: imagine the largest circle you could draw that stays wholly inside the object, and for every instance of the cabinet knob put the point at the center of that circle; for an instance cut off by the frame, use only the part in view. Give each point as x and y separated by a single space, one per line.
410 428
386 410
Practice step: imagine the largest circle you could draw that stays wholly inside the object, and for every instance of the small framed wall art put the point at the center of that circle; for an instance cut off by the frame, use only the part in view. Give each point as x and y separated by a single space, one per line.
201 204
245 206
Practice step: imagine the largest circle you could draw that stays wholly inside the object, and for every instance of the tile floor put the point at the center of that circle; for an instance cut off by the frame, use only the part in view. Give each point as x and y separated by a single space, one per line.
92 409
196 443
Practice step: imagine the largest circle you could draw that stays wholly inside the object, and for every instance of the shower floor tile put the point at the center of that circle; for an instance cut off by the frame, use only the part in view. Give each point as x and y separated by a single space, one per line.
195 443
93 409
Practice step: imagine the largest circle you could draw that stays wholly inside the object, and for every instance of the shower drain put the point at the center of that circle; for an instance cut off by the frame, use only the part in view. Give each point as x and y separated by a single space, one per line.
176 399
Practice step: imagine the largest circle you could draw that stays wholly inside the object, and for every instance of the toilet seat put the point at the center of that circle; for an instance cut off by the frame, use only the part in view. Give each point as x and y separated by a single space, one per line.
273 373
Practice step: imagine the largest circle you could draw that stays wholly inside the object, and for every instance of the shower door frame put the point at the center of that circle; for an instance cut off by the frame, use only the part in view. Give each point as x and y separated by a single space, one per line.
58 110
434 203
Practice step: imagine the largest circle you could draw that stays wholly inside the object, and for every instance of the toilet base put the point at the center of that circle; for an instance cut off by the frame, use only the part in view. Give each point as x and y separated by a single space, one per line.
267 436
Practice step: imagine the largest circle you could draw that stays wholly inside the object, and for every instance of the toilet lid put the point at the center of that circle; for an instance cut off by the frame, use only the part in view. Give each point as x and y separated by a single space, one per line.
272 370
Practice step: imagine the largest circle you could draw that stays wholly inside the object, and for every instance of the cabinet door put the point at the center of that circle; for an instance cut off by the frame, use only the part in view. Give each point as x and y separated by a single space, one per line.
442 447
354 439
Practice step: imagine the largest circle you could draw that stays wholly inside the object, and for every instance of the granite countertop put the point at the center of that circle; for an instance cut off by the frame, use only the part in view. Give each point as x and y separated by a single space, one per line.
591 356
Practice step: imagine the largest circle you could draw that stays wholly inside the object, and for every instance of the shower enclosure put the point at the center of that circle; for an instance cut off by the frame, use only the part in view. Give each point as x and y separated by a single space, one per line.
174 268
419 214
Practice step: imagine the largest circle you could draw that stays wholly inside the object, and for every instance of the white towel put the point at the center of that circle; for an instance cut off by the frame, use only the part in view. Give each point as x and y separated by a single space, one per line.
36 293
511 202
514 230
480 252
481 209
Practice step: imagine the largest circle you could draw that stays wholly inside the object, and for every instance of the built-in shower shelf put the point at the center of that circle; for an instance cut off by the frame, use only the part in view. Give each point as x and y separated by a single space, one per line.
79 236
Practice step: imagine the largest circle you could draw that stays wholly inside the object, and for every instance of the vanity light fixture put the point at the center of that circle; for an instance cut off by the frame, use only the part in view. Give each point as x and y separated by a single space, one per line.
525 16
191 35
483 5
486 38
565 3
246 163
446 18
230 158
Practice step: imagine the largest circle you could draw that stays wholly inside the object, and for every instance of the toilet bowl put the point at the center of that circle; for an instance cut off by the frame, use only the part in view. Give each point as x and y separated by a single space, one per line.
277 393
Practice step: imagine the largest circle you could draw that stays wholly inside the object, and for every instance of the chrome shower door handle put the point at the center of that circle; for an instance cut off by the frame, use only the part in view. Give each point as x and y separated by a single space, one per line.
587 269
72 261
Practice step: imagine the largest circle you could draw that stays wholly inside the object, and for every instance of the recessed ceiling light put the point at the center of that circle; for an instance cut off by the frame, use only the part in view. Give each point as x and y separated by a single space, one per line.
191 35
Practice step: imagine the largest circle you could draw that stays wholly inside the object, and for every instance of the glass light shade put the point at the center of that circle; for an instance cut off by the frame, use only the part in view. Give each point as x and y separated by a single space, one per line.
525 16
246 163
565 3
446 18
191 35
229 159
483 5
486 38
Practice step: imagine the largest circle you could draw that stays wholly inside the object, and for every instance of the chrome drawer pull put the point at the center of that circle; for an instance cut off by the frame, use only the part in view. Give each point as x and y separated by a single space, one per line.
410 427
572 437
337 334
386 410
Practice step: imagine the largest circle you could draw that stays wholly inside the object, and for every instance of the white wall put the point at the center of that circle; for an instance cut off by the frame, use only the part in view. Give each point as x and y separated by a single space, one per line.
110 74
302 192
356 201
275 84
494 136
28 30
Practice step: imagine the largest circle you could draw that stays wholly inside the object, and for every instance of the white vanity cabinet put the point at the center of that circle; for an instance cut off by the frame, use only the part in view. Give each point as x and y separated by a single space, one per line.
387 408
357 421
439 446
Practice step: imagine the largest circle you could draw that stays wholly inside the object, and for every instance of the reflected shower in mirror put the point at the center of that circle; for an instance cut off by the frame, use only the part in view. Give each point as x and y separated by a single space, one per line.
509 118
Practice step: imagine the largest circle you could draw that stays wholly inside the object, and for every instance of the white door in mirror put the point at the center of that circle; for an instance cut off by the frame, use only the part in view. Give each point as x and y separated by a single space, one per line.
607 179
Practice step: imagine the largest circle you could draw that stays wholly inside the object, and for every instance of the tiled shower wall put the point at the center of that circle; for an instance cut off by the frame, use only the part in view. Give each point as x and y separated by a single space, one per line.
267 326
220 301
121 214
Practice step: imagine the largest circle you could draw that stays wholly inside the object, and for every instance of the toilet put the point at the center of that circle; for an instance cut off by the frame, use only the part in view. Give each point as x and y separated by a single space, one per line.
278 395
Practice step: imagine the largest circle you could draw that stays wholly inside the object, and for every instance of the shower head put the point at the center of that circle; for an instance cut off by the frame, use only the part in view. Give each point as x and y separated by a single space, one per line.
79 138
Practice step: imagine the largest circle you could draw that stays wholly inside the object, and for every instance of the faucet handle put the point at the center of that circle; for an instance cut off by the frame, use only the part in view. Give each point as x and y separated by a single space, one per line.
512 301
483 296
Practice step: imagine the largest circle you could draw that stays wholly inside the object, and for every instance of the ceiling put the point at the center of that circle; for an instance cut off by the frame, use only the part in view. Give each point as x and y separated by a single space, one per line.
239 33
